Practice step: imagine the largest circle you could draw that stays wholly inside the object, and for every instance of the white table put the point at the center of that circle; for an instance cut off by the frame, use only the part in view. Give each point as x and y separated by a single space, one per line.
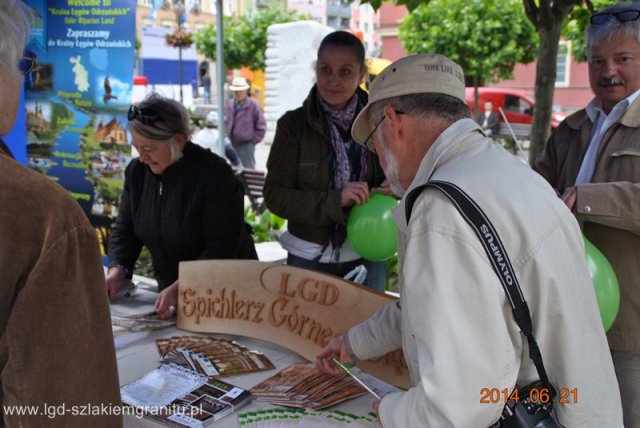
138 358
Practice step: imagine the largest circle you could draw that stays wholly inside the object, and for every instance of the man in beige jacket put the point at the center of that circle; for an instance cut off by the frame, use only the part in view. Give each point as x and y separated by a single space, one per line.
593 162
453 320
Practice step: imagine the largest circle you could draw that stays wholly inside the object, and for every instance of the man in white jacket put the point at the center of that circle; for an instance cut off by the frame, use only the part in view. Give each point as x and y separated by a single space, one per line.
454 322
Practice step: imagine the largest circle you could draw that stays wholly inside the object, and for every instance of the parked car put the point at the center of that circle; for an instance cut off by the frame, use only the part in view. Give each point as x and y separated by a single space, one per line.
516 104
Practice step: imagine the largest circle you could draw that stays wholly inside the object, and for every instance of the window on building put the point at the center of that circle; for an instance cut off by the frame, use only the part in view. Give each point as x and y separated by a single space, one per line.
562 64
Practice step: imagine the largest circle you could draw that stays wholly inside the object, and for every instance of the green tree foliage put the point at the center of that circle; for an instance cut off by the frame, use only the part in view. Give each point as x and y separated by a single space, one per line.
410 4
575 28
245 37
486 38
551 20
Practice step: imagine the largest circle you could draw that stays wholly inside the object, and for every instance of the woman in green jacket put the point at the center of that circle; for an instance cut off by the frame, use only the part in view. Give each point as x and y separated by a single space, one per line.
316 172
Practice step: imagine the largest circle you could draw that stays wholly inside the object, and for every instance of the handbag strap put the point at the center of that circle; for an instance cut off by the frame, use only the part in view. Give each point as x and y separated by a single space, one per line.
500 262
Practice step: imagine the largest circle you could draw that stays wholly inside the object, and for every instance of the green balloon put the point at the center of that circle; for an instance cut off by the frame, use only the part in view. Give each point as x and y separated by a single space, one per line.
371 228
276 222
605 283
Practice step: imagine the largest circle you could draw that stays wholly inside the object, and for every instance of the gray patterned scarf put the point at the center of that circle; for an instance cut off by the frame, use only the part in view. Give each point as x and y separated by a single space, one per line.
350 159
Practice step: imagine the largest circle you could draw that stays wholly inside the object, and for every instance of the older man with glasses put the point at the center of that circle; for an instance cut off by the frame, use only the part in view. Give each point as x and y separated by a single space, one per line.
593 161
461 340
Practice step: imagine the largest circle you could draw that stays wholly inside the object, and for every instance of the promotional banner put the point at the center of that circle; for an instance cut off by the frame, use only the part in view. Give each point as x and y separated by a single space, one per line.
159 63
77 97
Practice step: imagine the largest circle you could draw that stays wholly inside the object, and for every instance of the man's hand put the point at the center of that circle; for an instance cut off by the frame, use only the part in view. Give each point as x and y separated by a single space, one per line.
336 348
376 408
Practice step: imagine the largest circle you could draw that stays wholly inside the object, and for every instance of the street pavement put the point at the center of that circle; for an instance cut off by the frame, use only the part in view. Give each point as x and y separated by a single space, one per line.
261 155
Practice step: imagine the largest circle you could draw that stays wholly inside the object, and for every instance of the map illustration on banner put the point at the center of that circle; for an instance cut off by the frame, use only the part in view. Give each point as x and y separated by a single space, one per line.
77 97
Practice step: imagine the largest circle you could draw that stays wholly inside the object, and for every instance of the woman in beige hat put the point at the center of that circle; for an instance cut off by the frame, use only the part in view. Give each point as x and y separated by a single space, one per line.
317 172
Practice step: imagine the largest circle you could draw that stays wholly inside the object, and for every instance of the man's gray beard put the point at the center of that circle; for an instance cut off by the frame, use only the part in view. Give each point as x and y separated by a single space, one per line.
392 167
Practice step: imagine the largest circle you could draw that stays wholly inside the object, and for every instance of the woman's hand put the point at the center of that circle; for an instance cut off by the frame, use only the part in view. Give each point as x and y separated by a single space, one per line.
167 302
114 280
354 192
385 188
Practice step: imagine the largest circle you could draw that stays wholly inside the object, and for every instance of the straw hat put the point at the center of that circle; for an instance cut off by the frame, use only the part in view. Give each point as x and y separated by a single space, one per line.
239 84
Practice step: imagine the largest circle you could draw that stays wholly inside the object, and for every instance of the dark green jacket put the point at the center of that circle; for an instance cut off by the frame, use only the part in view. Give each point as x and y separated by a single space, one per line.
299 171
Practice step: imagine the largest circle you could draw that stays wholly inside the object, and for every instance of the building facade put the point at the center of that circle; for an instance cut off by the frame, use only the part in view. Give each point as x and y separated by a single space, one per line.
572 90
332 13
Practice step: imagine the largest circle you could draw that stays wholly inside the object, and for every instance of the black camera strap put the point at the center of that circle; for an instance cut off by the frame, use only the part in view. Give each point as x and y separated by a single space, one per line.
492 244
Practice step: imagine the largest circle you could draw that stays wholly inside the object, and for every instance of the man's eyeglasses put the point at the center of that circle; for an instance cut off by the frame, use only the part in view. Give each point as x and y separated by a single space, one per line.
147 116
27 62
369 141
622 16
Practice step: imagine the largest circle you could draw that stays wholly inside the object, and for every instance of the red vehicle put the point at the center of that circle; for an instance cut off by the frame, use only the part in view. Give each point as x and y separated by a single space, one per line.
516 104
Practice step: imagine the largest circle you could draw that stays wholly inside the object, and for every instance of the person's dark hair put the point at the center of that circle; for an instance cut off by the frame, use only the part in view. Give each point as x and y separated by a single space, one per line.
347 40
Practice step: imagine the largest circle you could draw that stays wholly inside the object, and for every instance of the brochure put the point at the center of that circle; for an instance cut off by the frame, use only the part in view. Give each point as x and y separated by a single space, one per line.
303 386
180 397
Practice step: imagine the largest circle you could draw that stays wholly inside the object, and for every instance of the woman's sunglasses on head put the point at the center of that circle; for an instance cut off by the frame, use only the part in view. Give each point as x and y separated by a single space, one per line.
147 116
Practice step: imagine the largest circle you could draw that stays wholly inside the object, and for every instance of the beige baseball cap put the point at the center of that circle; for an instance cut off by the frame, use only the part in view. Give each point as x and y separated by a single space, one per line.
415 74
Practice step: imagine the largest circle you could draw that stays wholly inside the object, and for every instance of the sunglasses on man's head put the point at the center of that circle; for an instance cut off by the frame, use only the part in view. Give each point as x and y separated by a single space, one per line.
147 116
27 62
623 16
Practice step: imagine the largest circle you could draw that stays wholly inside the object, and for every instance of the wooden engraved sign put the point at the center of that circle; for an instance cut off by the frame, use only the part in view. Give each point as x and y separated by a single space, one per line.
296 308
